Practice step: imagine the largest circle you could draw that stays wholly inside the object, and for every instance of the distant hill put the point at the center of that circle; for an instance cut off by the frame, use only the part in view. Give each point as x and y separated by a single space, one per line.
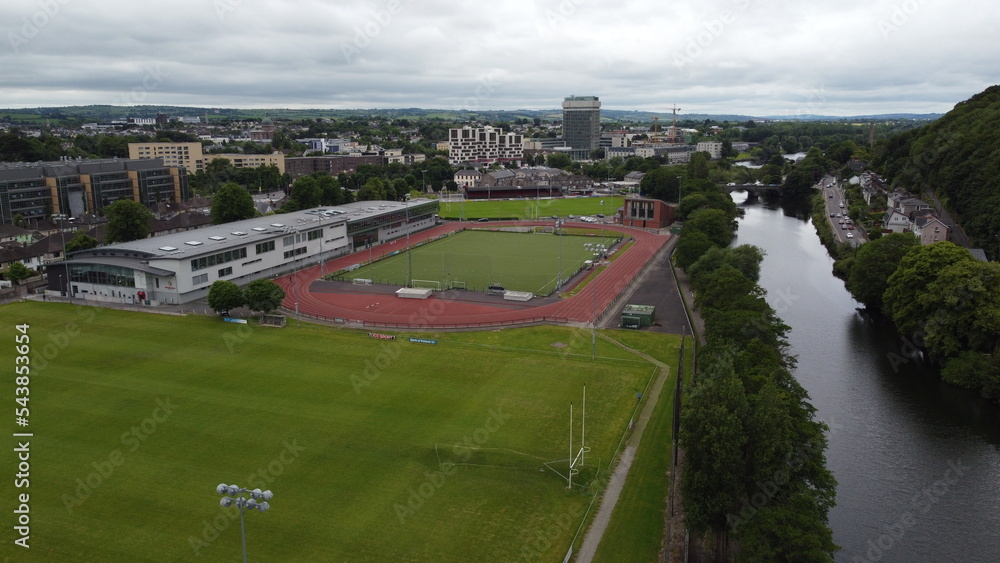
107 113
958 158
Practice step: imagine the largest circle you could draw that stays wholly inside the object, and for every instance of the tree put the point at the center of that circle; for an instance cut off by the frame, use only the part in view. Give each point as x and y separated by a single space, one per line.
690 247
559 160
331 192
698 166
373 190
964 305
232 203
127 221
264 295
874 262
715 223
306 193
82 241
662 183
225 295
919 268
17 272
714 439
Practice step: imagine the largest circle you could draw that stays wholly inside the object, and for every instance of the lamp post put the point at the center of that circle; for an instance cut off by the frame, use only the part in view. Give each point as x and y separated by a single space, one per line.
233 495
679 188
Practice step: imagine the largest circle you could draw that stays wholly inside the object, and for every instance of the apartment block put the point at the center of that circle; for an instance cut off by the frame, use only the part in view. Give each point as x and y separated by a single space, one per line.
483 146
75 187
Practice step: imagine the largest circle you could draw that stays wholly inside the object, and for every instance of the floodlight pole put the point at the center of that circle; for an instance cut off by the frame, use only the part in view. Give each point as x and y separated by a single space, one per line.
583 429
569 473
559 279
409 252
233 494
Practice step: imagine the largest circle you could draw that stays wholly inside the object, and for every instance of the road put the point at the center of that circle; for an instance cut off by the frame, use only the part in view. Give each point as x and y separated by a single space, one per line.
836 211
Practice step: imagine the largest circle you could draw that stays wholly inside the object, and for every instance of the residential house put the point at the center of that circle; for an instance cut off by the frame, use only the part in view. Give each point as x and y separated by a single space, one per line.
911 205
498 178
929 229
895 221
468 178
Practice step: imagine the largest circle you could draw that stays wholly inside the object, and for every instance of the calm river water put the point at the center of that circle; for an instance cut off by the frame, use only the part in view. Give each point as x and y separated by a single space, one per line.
917 461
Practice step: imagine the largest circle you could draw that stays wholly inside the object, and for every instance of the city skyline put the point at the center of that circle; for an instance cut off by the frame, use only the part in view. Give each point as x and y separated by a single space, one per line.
745 57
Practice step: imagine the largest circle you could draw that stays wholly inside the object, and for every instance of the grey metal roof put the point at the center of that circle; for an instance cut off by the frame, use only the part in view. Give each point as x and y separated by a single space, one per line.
219 238
123 262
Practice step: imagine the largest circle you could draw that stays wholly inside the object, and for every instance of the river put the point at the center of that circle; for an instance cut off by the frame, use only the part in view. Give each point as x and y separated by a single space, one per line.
917 461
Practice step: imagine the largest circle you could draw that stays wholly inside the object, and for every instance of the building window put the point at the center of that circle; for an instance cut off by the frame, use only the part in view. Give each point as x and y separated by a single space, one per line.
313 235
201 278
288 241
225 272
265 247
221 258
296 252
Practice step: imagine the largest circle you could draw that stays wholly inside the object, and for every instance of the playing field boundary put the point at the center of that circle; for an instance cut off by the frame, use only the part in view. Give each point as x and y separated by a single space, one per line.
355 308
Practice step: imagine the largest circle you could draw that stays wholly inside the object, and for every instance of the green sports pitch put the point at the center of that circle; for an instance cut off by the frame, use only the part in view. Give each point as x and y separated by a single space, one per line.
375 450
477 259
530 208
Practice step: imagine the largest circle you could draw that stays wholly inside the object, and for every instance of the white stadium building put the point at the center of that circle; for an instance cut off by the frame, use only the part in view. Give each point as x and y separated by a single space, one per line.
179 268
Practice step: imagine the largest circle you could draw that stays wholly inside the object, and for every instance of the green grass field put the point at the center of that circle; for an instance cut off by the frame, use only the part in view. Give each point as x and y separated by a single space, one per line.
531 208
477 259
137 417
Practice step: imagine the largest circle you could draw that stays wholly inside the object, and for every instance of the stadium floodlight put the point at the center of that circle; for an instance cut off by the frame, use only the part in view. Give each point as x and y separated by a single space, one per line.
233 495
409 251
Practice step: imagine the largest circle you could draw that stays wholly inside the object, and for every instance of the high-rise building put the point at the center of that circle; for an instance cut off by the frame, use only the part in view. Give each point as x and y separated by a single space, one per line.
582 122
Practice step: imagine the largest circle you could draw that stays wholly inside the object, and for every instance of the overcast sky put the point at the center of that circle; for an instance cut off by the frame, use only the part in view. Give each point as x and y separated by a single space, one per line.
752 57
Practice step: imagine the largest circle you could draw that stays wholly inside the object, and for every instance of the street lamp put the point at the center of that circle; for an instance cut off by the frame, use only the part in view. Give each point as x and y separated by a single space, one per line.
679 188
233 495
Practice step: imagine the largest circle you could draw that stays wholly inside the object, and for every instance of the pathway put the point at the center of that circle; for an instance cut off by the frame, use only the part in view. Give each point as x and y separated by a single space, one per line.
617 481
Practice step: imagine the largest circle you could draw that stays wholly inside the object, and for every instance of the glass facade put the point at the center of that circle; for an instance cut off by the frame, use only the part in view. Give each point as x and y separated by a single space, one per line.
102 274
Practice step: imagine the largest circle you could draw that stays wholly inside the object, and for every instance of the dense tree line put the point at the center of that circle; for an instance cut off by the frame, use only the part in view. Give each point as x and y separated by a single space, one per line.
755 475
954 157
939 297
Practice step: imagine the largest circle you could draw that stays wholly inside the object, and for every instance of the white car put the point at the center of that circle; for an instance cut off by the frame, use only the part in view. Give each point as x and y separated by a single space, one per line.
850 235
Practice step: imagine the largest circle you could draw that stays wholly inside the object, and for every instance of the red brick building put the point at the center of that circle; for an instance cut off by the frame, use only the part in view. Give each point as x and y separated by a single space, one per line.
646 213
332 165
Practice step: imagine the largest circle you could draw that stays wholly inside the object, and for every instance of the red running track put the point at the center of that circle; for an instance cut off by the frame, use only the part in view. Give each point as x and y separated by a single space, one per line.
387 310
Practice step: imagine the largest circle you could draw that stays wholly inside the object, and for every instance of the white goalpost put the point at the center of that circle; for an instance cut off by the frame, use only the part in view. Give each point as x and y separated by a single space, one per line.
576 460
426 284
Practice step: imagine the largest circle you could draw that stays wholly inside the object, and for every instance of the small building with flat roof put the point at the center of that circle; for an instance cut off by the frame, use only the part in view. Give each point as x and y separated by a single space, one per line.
638 316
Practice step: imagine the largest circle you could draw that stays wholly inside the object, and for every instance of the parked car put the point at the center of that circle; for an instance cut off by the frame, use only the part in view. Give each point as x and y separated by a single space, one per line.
850 235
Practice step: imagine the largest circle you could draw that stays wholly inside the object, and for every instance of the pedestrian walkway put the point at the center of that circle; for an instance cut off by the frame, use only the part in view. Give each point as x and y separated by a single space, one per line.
616 483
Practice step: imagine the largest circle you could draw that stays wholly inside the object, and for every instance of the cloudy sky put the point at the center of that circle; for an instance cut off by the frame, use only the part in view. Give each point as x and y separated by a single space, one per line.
753 57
